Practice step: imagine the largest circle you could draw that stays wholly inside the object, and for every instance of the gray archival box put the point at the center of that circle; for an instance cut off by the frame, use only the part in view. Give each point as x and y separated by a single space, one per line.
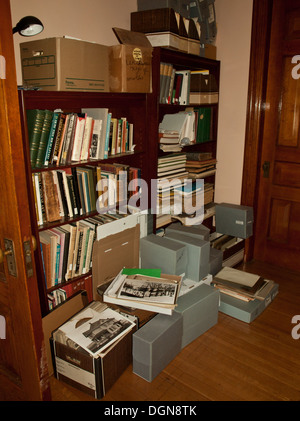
198 252
199 309
235 220
197 231
155 345
163 253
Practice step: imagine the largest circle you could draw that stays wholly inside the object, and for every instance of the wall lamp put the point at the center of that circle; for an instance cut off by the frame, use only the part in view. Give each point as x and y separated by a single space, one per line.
28 26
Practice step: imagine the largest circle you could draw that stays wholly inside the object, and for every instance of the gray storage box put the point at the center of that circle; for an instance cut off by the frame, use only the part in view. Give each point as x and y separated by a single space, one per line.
163 253
215 261
199 309
243 310
156 344
196 231
180 6
198 252
235 220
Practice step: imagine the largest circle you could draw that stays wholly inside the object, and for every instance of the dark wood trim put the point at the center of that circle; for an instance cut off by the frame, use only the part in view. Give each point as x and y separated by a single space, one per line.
259 55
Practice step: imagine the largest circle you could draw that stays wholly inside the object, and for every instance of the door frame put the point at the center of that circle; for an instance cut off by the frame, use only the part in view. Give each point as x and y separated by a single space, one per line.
31 382
259 57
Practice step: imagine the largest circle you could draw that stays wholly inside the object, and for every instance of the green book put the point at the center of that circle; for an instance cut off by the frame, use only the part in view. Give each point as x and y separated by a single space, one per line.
204 124
44 139
35 120
52 132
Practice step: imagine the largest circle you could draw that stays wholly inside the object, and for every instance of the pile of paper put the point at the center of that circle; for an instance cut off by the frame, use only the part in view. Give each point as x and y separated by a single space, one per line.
176 131
139 290
242 285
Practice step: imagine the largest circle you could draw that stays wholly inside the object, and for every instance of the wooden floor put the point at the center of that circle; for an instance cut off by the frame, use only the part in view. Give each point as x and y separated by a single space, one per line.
231 361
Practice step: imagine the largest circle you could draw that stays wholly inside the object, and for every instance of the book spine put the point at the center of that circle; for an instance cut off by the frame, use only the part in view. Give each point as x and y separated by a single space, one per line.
51 138
44 139
35 120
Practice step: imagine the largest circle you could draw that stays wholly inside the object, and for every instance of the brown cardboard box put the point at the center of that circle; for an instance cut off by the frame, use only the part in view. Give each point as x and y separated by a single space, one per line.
130 63
57 317
92 375
65 64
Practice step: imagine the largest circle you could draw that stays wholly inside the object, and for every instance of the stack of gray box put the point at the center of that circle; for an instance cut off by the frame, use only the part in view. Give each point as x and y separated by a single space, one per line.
156 344
199 309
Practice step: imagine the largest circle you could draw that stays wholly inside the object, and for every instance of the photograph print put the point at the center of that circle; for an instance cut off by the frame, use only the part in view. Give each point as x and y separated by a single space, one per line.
148 289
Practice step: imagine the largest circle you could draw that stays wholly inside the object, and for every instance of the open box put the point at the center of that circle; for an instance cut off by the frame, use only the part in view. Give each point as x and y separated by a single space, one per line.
130 63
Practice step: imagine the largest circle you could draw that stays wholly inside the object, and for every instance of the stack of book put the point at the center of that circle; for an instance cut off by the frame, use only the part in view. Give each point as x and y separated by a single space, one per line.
242 285
176 131
59 138
78 191
171 173
200 164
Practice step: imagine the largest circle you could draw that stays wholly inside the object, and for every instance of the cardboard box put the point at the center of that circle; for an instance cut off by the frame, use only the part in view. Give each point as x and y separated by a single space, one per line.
58 316
156 344
130 63
92 375
64 64
162 28
113 253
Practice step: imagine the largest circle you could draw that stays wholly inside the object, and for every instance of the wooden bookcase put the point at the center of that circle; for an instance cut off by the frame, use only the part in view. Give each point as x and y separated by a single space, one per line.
132 106
143 110
181 61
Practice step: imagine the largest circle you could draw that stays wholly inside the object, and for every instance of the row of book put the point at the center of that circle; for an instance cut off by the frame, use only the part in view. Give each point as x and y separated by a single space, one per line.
67 251
194 125
78 191
58 138
184 87
60 295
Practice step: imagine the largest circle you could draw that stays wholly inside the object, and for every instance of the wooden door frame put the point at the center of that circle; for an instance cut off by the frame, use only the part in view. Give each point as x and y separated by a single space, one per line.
23 292
259 56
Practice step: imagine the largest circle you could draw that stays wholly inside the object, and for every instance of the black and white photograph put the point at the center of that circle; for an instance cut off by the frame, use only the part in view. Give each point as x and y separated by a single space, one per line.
148 289
95 331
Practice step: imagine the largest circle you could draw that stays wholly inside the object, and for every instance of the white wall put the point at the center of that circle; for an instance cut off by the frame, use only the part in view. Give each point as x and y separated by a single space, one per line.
92 20
234 18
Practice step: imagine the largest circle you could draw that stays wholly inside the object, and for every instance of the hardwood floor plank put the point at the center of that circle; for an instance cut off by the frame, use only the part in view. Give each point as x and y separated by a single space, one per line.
232 361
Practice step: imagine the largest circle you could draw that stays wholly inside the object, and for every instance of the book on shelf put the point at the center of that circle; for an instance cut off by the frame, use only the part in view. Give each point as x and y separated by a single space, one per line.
177 130
66 252
60 295
57 138
73 192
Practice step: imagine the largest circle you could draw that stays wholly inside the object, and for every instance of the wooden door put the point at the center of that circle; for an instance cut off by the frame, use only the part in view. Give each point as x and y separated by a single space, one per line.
277 230
23 367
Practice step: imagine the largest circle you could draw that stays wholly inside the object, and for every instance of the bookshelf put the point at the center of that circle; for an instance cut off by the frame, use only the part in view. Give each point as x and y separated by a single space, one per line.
180 61
131 106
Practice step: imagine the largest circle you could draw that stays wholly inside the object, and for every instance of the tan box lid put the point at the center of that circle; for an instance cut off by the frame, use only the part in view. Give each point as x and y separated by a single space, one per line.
132 38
